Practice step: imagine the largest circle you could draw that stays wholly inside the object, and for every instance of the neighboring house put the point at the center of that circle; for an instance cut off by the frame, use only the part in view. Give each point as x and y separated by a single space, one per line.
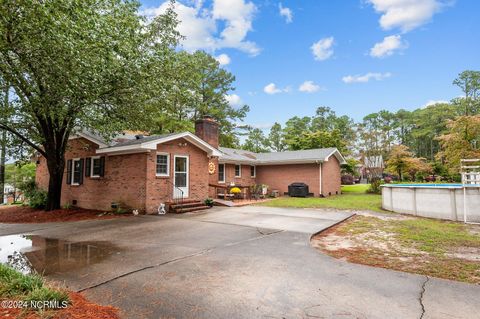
8 194
372 167
142 172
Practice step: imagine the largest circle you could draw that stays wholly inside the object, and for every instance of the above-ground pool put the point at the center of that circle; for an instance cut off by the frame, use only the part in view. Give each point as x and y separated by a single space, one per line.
443 201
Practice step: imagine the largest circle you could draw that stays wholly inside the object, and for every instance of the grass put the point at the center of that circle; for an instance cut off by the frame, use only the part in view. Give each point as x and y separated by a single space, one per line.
17 286
417 245
354 197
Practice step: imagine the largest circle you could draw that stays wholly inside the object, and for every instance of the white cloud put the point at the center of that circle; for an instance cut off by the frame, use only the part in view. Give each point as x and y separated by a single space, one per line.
366 77
223 59
199 24
388 46
309 87
406 14
271 89
433 102
285 12
234 100
322 50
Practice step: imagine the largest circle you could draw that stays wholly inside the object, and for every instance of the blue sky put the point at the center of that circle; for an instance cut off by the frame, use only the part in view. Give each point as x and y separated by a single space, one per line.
369 54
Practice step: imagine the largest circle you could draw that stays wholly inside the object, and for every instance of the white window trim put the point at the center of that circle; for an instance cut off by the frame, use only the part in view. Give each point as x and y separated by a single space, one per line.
239 170
91 167
254 171
167 174
73 171
222 181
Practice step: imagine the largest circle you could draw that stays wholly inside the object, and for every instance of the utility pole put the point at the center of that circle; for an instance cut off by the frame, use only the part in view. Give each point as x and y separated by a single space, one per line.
3 148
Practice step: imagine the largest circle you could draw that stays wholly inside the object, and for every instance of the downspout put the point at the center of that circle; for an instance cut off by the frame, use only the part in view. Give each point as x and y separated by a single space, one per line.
320 175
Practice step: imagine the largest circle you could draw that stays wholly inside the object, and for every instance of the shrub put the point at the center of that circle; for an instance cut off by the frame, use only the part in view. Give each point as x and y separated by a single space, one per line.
209 202
375 187
347 179
388 179
37 198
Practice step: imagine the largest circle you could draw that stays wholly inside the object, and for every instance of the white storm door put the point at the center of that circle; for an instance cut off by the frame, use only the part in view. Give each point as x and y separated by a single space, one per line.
181 176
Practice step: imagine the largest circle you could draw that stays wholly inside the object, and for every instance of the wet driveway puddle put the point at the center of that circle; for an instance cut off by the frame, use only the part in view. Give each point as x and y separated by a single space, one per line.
30 253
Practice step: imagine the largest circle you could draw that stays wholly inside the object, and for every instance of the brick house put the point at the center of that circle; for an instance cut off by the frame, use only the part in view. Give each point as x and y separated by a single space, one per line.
141 172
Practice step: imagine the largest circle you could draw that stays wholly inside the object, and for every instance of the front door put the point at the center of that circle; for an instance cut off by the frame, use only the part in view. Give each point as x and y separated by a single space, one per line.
180 189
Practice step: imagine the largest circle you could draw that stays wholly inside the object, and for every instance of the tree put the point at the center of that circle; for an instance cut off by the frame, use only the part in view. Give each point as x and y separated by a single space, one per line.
19 174
198 87
319 139
401 160
276 139
3 137
462 141
79 65
294 127
350 167
256 141
469 82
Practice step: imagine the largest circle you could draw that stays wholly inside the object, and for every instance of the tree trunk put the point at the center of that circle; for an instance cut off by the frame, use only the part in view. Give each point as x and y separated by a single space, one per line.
56 166
3 150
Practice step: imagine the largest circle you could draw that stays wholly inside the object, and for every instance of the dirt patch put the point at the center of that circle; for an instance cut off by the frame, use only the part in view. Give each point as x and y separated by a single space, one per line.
21 214
80 308
428 247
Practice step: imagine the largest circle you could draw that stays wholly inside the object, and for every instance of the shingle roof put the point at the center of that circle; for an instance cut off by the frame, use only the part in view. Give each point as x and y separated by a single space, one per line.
242 156
144 139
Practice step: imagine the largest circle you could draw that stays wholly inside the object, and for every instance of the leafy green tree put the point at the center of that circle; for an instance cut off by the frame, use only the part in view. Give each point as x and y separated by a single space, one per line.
319 139
79 65
19 174
295 127
198 86
462 141
4 88
469 82
276 139
350 167
256 141
402 160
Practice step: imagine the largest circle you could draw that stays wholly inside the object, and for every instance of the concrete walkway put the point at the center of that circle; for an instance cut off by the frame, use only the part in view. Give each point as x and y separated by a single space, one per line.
245 262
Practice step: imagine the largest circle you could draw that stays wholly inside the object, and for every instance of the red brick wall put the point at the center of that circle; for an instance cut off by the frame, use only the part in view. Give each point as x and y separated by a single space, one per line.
280 176
160 190
244 180
331 177
123 181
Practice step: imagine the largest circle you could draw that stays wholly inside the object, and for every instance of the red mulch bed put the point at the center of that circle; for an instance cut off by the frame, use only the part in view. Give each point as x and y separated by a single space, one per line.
80 308
21 214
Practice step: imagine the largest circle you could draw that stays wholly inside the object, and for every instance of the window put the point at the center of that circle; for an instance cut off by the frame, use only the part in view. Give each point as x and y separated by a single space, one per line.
238 170
221 173
96 167
163 164
77 166
253 171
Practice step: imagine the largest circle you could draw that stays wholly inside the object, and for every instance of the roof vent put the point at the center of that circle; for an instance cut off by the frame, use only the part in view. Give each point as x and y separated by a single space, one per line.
138 137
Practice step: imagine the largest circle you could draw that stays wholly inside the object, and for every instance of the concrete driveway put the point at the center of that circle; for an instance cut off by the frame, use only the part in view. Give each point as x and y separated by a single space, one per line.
250 262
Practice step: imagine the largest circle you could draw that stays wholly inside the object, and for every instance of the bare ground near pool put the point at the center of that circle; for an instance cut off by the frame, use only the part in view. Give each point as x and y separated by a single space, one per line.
443 249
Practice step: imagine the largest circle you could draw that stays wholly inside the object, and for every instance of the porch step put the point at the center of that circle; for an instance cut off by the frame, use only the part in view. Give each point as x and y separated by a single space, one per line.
187 206
191 209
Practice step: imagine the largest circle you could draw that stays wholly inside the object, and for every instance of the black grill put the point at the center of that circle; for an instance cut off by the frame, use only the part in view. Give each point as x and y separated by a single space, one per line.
298 190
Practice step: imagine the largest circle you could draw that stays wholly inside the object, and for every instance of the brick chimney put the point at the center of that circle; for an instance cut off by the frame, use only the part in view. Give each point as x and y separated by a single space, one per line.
207 130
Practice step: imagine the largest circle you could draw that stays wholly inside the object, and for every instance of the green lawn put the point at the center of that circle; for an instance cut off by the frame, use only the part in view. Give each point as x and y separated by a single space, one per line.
353 197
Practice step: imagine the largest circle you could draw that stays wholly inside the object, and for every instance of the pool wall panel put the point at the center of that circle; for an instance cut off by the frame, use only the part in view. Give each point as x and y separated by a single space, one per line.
432 202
